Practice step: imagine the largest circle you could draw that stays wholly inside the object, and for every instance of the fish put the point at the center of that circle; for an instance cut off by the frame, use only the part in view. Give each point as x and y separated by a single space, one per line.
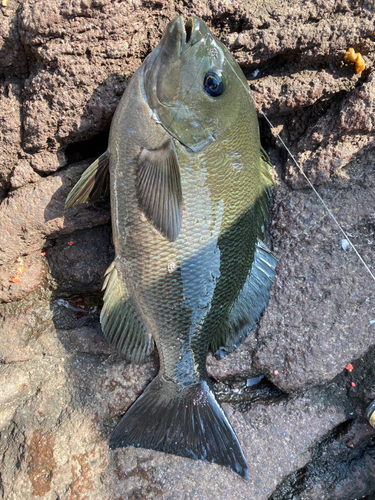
189 185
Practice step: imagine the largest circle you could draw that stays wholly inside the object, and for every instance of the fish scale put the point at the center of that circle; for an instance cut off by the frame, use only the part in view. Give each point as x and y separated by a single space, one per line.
189 187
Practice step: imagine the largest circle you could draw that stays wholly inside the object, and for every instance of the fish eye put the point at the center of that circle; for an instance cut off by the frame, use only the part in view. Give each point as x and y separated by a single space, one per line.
213 84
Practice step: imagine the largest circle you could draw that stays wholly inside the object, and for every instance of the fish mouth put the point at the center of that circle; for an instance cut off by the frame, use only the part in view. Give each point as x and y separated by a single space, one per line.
186 32
175 39
189 28
181 35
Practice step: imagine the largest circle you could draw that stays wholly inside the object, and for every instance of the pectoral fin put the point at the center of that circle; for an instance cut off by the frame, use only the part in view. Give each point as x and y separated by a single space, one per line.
159 189
93 184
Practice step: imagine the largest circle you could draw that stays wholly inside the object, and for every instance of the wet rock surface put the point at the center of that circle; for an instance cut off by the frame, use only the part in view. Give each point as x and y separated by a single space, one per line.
298 412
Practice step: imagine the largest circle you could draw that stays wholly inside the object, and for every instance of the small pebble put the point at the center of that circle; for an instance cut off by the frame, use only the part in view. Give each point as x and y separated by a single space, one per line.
253 380
344 244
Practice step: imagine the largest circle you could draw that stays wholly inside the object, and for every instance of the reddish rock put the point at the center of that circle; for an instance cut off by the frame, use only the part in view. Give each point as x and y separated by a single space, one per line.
21 277
63 69
341 134
23 174
34 213
319 317
41 463
10 130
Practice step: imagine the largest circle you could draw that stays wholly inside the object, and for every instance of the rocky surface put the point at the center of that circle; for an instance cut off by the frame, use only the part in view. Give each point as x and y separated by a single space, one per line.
297 410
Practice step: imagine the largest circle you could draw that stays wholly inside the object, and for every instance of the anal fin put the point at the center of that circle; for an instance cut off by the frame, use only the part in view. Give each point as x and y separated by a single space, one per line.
121 322
250 304
93 184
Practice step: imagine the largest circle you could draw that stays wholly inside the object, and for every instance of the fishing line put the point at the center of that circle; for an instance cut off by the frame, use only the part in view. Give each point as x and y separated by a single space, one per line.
292 157
316 192
309 182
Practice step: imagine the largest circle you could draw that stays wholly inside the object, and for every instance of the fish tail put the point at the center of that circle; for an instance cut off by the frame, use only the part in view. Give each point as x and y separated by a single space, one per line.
186 421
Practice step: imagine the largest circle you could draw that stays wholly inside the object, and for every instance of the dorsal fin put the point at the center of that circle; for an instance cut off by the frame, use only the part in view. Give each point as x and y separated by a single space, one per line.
93 184
159 189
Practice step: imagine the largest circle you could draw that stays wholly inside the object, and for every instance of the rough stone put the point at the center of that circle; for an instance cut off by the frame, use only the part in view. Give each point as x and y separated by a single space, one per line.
319 479
341 133
12 55
63 68
79 392
21 277
34 213
331 326
23 174
78 261
10 130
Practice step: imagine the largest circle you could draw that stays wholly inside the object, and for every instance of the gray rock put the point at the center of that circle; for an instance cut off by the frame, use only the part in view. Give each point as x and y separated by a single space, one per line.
319 317
79 260
79 388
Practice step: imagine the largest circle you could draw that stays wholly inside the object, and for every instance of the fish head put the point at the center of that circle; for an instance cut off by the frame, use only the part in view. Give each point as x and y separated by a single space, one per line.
194 86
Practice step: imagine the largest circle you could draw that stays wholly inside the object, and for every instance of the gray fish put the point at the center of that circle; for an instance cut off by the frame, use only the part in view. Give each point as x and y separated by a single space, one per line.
189 187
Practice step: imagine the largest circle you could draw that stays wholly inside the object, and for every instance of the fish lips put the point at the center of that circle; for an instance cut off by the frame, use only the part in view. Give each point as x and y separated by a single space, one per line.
167 52
179 38
174 40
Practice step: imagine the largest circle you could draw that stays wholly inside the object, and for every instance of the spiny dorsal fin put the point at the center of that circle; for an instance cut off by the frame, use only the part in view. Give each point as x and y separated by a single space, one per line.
93 184
121 322
159 189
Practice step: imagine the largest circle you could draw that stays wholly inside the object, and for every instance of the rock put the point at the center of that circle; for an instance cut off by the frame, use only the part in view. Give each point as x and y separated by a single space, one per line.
356 478
34 213
63 69
13 385
338 136
78 261
313 342
10 126
12 54
21 277
22 322
80 392
23 174
318 31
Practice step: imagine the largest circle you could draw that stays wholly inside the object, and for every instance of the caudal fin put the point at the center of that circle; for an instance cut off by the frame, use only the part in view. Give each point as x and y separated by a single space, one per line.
186 421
